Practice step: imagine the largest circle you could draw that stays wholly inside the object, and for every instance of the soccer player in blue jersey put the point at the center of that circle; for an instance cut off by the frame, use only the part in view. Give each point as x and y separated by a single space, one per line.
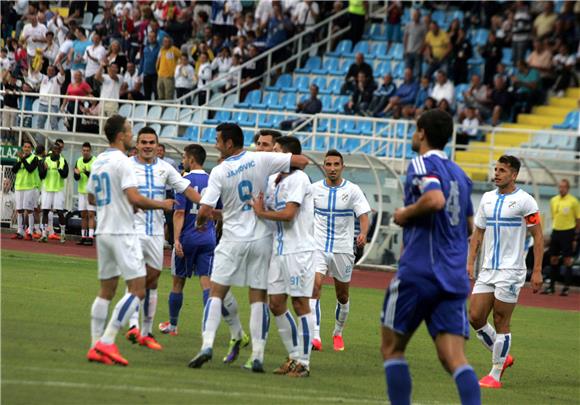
431 284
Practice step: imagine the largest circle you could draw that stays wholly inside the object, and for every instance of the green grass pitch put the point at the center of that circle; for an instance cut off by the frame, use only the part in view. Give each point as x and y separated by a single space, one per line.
46 302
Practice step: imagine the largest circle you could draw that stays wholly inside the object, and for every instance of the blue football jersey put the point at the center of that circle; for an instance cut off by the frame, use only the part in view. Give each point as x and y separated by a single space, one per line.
435 245
198 180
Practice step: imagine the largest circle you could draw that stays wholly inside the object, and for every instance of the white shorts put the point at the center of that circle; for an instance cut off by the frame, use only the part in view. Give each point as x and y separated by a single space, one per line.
292 274
120 255
25 199
339 265
52 200
84 204
243 264
152 248
504 284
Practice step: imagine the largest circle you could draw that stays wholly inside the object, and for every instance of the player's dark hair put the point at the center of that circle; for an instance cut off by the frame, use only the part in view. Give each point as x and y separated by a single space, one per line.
438 127
197 152
290 144
149 130
510 160
27 142
114 125
87 145
162 146
231 132
59 141
334 152
267 132
39 150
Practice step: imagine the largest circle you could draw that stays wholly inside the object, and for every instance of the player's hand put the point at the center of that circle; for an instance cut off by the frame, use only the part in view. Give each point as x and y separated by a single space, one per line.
258 204
537 281
77 171
470 272
399 217
361 240
178 248
167 205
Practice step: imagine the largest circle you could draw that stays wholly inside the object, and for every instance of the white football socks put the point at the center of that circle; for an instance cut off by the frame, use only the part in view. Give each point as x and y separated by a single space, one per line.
341 316
149 309
211 321
99 312
486 335
305 325
121 314
288 333
315 310
231 315
259 322
501 349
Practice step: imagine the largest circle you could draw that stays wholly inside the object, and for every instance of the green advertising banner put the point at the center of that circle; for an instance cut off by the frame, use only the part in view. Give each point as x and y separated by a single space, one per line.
9 154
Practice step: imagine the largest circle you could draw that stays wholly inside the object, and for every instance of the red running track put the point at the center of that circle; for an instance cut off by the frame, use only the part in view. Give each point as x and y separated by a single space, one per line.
361 278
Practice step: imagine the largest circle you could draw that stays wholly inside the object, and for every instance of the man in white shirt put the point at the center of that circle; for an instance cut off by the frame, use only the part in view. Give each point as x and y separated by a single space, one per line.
243 255
306 13
110 89
8 202
184 76
443 89
63 51
34 34
131 88
50 51
113 188
291 273
94 55
50 86
503 219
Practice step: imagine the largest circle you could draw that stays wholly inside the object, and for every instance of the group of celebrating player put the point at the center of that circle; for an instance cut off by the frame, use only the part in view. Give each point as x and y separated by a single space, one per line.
281 235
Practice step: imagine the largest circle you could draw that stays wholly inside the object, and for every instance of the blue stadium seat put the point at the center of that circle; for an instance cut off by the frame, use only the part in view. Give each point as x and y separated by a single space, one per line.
191 133
136 128
287 101
126 110
542 140
507 57
248 138
220 116
339 103
275 120
399 71
334 86
169 114
570 122
361 46
283 82
459 90
395 52
312 63
563 142
365 127
302 84
348 127
380 51
439 17
268 101
154 113
342 48
248 121
169 131
457 14
329 66
264 121
320 81
476 59
238 116
209 135
382 69
326 103
140 111
377 33
156 128
343 69
253 97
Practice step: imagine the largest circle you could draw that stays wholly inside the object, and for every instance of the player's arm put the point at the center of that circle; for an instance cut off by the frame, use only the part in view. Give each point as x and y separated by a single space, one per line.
64 170
144 203
77 172
429 203
285 215
299 161
178 219
361 239
192 195
474 246
30 167
535 228
204 214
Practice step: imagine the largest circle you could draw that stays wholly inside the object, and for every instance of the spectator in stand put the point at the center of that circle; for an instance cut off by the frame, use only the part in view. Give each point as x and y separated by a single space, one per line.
111 88
443 88
405 94
444 105
429 104
438 49
408 111
305 15
148 67
462 52
184 78
125 29
564 64
264 10
76 53
278 28
116 56
311 105
545 21
381 97
50 51
501 101
204 76
394 14
10 109
501 70
469 127
241 48
231 80
251 71
132 83
80 88
568 22
413 43
492 54
357 13
168 58
95 54
217 44
339 23
222 16
521 32
541 59
221 66
50 86
477 98
358 66
528 87
109 28
34 34
362 95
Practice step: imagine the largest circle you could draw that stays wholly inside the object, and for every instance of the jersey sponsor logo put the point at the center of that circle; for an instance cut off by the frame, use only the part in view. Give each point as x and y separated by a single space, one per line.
533 219
241 168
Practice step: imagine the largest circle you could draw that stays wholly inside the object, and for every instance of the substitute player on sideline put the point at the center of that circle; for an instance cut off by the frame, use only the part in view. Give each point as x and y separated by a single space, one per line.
82 172
53 171
337 202
26 171
431 284
113 188
194 253
154 175
243 254
504 217
291 269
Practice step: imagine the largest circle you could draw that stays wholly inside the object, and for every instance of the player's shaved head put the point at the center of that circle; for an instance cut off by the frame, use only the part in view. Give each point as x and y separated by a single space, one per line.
437 126
289 144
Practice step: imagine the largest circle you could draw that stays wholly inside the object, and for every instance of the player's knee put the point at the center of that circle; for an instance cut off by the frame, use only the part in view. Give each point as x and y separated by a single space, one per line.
342 297
501 322
389 351
301 307
476 319
276 306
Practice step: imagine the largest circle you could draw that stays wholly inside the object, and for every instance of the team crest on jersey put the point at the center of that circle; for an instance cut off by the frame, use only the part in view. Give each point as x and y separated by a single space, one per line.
344 197
511 204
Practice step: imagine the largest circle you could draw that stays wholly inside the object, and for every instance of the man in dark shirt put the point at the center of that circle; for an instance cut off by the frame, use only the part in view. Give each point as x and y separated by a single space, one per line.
313 105
492 53
359 65
501 101
11 86
362 95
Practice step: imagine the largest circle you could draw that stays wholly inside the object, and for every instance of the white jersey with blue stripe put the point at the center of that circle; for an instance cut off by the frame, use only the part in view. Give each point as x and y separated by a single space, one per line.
335 209
111 175
503 217
152 180
236 181
297 235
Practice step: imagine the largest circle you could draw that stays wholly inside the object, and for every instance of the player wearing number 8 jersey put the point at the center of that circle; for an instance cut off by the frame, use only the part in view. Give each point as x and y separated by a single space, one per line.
431 284
243 255
504 217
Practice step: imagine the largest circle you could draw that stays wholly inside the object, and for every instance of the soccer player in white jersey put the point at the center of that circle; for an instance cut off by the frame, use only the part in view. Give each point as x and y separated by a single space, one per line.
504 217
114 190
291 272
153 175
337 202
243 254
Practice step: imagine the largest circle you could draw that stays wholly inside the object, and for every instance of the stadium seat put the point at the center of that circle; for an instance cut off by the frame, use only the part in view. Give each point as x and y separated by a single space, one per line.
220 116
268 100
156 128
125 110
154 113
457 14
542 140
169 131
382 69
283 82
459 90
248 138
312 63
264 121
137 127
208 136
339 103
399 71
329 66
302 84
253 97
333 87
140 112
365 127
342 48
570 122
395 52
275 120
564 142
185 114
379 51
326 103
98 19
320 81
169 114
348 127
191 134
230 101
343 68
239 116
439 17
377 33
361 46
287 101
87 23
248 121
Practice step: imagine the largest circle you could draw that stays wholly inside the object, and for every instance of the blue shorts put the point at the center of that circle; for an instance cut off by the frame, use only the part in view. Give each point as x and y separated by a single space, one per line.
408 303
198 260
